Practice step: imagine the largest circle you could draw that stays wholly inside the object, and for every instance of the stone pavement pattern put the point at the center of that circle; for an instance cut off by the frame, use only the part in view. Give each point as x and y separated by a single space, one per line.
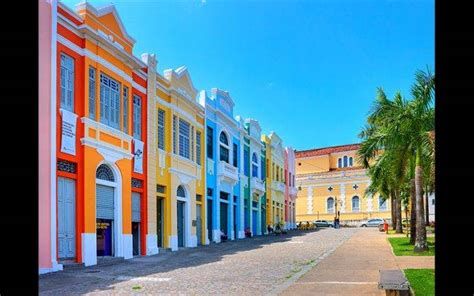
352 269
257 266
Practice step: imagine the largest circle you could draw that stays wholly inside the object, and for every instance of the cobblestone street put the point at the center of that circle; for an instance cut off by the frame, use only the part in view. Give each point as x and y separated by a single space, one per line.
256 266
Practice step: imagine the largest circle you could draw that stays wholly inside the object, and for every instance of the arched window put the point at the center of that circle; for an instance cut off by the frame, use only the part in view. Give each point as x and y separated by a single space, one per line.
180 191
224 147
339 162
104 172
223 139
254 165
330 205
350 161
382 203
355 204
345 161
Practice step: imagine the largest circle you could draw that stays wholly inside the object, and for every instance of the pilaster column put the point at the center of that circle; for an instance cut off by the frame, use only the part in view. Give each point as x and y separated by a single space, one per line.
309 201
343 198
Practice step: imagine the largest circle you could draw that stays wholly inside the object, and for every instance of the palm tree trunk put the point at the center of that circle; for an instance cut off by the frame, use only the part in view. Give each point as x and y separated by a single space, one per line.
413 212
421 243
393 210
427 207
398 212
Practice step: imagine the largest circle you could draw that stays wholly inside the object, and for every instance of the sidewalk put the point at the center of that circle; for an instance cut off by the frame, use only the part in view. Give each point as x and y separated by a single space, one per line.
352 269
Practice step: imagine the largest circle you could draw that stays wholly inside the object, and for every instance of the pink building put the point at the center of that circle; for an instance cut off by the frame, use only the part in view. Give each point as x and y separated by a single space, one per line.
290 189
47 247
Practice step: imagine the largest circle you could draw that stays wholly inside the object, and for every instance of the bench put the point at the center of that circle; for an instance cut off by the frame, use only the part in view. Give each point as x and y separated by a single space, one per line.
394 283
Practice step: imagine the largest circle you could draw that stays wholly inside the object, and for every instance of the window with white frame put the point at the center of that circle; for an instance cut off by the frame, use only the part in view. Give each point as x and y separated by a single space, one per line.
350 161
224 147
184 139
382 203
330 205
92 94
161 129
192 143
175 128
109 101
345 161
254 165
198 147
137 117
125 109
339 162
355 204
67 82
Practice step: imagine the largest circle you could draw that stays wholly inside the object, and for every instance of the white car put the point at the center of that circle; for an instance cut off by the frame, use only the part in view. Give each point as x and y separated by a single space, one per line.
371 223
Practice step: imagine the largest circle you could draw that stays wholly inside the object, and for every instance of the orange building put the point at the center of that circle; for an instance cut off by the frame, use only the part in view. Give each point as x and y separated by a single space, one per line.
101 138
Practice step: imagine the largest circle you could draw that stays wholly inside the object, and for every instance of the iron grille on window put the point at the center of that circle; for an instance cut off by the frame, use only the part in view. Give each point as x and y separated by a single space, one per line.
104 173
160 188
137 183
66 166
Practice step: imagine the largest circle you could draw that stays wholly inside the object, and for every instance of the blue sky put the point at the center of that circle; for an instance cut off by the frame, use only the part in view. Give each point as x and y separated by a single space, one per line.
307 70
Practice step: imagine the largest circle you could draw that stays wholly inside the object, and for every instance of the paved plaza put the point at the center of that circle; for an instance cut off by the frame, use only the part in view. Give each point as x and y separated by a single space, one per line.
256 266
328 261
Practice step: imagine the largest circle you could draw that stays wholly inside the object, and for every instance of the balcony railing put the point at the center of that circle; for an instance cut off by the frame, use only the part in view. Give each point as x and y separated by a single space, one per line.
257 185
278 186
227 173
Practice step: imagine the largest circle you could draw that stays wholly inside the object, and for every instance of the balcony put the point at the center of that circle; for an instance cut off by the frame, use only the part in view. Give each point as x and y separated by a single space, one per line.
278 186
293 191
227 173
257 186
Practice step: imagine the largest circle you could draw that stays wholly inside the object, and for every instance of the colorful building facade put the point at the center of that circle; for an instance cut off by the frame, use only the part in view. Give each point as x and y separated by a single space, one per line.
101 148
133 161
47 205
290 189
275 179
223 164
331 180
253 179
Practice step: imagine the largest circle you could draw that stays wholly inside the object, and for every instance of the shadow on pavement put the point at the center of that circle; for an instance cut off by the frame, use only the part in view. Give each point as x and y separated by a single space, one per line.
100 278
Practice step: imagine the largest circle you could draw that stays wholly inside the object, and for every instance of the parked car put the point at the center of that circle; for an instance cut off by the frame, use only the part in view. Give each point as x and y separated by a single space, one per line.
323 223
372 223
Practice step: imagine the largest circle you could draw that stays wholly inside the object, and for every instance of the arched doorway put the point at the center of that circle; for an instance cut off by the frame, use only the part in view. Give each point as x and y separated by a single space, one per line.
181 215
106 224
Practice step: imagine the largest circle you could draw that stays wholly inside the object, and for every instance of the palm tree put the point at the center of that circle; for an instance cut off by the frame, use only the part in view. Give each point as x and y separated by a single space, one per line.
401 129
418 128
379 135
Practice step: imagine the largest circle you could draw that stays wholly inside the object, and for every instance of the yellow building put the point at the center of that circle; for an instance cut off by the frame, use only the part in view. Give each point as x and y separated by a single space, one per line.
330 180
176 176
275 179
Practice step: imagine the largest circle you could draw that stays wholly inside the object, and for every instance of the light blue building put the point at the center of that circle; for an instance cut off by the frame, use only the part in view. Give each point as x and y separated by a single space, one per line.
223 164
